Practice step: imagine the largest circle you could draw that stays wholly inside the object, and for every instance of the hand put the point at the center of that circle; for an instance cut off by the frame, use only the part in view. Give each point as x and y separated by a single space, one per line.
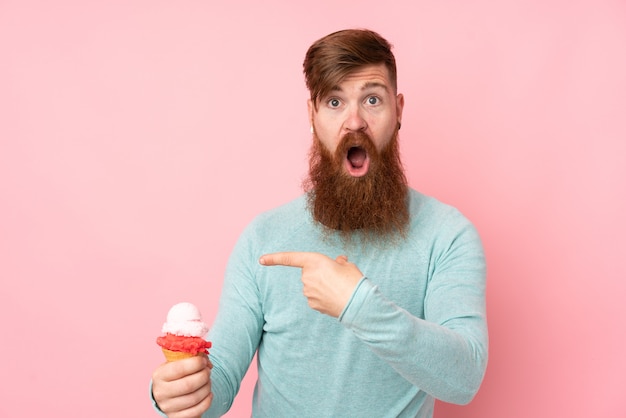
182 389
328 284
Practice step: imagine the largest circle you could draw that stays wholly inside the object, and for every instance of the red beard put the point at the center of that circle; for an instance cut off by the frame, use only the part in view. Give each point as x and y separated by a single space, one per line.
375 203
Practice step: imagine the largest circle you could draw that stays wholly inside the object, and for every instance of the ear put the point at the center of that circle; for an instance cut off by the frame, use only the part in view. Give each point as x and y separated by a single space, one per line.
399 106
311 109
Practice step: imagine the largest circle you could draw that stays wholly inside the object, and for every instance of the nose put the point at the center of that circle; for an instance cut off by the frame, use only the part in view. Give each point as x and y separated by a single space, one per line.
355 121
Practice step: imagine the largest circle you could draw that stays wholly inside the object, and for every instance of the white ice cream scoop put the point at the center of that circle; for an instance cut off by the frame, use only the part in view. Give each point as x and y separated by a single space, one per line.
184 319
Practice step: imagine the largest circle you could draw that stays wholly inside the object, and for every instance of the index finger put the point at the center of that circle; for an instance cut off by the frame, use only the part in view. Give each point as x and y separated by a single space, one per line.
175 370
288 258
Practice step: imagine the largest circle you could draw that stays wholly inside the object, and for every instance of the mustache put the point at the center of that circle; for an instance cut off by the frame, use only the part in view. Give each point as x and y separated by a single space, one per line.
355 140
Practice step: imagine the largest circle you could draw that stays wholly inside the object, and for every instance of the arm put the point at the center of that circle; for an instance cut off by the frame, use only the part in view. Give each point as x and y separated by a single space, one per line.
237 329
191 386
445 354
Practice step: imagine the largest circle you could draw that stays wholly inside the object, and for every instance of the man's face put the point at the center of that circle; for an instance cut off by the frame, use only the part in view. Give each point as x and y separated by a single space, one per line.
356 180
364 102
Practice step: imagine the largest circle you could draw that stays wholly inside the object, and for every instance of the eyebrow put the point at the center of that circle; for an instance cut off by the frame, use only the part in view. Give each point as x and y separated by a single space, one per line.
367 85
374 84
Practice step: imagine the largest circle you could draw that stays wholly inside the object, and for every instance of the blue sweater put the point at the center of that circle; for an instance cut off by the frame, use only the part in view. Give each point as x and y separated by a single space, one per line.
414 329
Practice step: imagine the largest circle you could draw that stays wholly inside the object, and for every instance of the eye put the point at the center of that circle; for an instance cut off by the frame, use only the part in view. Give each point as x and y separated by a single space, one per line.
334 103
373 100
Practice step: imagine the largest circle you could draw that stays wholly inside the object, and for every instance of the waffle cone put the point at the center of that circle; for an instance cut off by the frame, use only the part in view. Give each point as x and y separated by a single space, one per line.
175 355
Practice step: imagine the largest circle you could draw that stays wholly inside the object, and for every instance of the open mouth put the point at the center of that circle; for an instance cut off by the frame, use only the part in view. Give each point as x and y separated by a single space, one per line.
357 161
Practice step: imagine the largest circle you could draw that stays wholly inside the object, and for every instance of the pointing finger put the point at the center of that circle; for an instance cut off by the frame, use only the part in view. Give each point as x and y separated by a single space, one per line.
292 259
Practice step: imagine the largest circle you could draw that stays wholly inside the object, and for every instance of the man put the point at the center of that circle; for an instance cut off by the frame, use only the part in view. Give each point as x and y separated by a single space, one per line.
393 313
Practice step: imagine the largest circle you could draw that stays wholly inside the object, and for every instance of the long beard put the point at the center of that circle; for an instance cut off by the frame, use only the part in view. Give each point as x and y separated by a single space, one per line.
374 204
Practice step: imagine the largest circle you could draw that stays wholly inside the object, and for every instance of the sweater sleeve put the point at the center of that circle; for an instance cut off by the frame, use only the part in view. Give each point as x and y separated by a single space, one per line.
236 331
444 353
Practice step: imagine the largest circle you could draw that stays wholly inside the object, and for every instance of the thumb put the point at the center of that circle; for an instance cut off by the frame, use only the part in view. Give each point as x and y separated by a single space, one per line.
342 259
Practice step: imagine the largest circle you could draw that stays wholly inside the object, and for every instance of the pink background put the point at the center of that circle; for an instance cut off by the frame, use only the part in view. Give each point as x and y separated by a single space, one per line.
138 138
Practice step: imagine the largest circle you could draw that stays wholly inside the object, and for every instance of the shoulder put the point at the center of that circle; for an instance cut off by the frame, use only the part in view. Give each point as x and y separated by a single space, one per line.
436 219
445 235
427 208
278 224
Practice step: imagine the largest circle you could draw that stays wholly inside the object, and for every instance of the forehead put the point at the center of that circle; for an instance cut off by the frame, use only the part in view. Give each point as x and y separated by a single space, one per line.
370 76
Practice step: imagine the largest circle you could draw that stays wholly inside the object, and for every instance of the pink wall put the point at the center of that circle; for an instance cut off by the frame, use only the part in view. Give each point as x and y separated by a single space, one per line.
137 138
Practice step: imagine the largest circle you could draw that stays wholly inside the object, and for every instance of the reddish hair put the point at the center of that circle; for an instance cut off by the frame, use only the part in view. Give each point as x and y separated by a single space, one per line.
330 59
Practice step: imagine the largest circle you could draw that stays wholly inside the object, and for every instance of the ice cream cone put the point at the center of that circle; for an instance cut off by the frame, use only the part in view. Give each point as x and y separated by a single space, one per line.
175 355
183 333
